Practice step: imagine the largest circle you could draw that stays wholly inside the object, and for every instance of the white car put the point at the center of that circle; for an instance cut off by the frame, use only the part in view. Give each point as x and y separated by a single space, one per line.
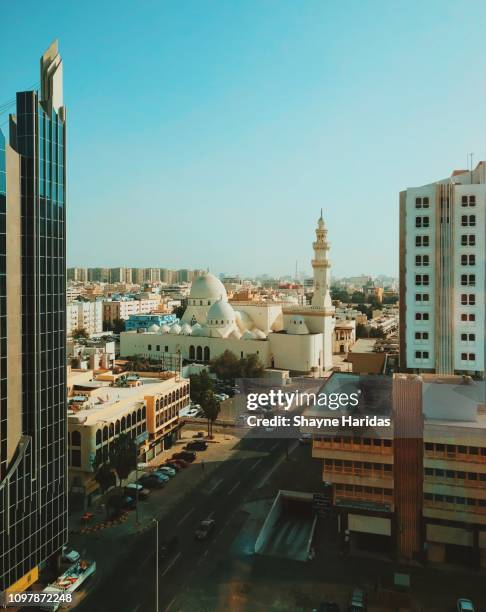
165 469
465 605
69 554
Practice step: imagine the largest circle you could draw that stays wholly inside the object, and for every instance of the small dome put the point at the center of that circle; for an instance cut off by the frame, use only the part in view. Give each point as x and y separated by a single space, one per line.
221 313
200 330
297 325
175 329
186 329
235 334
247 335
243 320
259 334
153 329
207 287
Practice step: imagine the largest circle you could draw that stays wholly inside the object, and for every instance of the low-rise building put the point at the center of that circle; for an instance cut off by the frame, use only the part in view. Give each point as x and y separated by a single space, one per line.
122 309
145 406
83 315
145 321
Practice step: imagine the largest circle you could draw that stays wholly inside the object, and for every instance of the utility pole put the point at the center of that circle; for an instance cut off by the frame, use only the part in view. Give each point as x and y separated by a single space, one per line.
156 564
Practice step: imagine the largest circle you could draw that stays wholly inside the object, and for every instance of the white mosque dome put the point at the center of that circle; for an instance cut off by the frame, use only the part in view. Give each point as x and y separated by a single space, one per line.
259 334
221 313
153 329
236 334
247 335
175 329
243 320
207 287
186 329
200 330
164 329
297 326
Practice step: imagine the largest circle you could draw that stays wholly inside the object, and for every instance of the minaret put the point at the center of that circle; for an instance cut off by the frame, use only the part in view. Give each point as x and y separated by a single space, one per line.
322 267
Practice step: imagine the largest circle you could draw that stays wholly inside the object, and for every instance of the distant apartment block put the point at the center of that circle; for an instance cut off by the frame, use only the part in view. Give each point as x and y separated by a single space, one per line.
84 315
442 275
77 274
122 309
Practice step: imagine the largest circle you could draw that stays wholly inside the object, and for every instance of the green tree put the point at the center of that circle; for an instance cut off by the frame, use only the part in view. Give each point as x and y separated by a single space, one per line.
123 456
200 385
357 297
211 408
79 333
118 326
226 366
251 367
105 477
362 331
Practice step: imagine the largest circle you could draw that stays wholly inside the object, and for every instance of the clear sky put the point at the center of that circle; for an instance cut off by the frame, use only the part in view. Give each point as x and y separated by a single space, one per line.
209 133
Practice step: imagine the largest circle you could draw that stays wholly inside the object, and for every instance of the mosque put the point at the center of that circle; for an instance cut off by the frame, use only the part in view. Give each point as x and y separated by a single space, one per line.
285 336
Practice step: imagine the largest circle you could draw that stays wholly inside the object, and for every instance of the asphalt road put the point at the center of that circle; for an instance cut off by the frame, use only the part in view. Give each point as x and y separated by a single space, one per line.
131 586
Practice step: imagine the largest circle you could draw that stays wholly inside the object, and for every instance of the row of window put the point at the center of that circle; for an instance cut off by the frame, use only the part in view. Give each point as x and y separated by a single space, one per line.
378 470
464 452
471 503
422 260
468 356
422 202
169 398
455 475
120 425
466 221
356 490
168 415
348 441
468 299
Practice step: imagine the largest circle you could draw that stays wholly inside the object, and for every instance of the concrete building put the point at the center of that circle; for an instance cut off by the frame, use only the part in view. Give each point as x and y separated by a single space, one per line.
416 490
33 478
101 407
77 274
145 321
99 275
122 309
442 275
84 315
344 336
284 336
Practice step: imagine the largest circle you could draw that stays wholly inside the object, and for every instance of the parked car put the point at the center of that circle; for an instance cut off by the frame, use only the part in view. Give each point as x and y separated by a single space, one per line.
173 464
69 555
168 547
162 475
181 463
152 481
358 601
199 434
465 605
204 529
165 470
185 455
196 445
131 489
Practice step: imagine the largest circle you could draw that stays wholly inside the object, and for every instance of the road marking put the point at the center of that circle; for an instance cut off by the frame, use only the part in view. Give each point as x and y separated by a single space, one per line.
215 486
256 463
185 516
274 447
171 603
171 564
235 487
277 464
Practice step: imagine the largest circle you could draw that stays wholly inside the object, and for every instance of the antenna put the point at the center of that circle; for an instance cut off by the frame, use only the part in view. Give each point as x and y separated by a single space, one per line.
470 155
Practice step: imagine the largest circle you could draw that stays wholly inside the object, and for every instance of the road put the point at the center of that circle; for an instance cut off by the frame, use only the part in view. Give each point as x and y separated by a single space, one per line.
131 585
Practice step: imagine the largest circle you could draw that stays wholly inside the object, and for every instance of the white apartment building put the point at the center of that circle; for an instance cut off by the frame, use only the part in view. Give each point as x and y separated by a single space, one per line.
442 275
122 309
84 315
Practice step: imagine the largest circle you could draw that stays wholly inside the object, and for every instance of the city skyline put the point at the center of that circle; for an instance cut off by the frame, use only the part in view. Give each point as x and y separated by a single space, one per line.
191 152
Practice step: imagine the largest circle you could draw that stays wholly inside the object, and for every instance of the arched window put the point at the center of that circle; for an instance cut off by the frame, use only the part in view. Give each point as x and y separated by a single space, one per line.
129 420
112 430
76 438
206 353
157 405
143 412
105 433
98 436
117 427
177 394
199 353
192 352
123 424
139 415
134 417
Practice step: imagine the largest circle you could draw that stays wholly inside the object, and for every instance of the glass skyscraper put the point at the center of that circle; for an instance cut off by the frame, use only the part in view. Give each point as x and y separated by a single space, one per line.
33 461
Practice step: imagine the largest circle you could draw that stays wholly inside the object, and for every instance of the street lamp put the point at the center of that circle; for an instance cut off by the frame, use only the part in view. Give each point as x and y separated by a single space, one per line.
156 564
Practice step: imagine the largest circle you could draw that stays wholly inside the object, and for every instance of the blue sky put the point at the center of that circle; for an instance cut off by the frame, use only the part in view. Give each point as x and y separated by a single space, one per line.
209 134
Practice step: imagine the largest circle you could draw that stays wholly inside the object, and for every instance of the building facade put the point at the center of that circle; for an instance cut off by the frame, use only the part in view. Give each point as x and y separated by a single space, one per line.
33 469
84 315
442 275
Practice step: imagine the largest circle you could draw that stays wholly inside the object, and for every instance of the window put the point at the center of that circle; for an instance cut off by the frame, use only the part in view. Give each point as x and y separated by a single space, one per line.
421 316
468 260
421 335
421 297
468 317
422 221
468 240
422 260
149 347
76 458
422 202
422 279
468 220
422 241
468 201
157 348
421 354
468 337
468 280
468 357
76 438
468 299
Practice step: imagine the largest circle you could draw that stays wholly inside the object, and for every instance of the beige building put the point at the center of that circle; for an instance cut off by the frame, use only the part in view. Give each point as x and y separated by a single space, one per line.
101 407
344 336
84 315
122 309
418 489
